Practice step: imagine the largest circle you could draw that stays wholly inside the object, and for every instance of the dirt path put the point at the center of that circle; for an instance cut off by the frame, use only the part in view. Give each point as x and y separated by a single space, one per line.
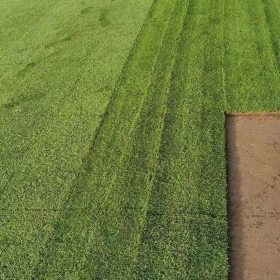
253 150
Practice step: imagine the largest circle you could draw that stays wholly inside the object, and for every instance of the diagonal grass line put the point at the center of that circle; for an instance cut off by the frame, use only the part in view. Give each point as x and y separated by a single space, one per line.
167 79
138 116
87 174
110 105
162 82
169 110
184 106
84 177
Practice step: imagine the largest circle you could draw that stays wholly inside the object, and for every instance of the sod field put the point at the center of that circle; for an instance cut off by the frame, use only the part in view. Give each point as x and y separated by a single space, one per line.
112 132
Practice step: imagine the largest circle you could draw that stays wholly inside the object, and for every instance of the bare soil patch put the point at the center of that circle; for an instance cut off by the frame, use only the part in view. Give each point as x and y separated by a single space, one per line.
253 153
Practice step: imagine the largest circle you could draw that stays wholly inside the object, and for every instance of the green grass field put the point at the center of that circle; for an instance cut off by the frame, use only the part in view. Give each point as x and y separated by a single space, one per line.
112 132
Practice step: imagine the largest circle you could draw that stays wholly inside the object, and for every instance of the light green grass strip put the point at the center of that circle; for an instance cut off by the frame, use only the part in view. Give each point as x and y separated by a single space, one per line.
49 115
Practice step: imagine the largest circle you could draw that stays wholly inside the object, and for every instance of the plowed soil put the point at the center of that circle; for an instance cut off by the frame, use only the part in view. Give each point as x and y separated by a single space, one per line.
253 151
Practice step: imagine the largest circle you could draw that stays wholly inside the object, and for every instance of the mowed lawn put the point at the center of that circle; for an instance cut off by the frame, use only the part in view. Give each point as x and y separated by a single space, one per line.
112 132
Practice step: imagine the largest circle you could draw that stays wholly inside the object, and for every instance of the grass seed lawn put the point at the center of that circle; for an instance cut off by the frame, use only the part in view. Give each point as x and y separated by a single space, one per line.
112 132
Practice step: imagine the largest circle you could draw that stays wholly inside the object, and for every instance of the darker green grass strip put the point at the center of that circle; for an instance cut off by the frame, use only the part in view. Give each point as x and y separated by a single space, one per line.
191 176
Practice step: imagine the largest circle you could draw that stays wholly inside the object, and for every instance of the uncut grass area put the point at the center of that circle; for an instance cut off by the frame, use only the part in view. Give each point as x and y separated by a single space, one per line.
112 132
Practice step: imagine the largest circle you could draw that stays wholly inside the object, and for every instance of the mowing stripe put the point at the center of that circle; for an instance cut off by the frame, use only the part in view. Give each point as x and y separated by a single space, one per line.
189 244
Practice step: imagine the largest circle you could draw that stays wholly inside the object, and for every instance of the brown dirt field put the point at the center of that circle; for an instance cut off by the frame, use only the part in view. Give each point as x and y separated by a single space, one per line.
253 154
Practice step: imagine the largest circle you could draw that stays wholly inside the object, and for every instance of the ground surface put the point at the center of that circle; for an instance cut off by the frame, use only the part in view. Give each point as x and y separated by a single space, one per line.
253 144
112 132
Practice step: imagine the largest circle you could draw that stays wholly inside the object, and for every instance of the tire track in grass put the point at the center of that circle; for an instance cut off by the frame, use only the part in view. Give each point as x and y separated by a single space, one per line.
137 170
74 231
165 84
135 175
117 98
185 246
124 96
87 161
160 245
